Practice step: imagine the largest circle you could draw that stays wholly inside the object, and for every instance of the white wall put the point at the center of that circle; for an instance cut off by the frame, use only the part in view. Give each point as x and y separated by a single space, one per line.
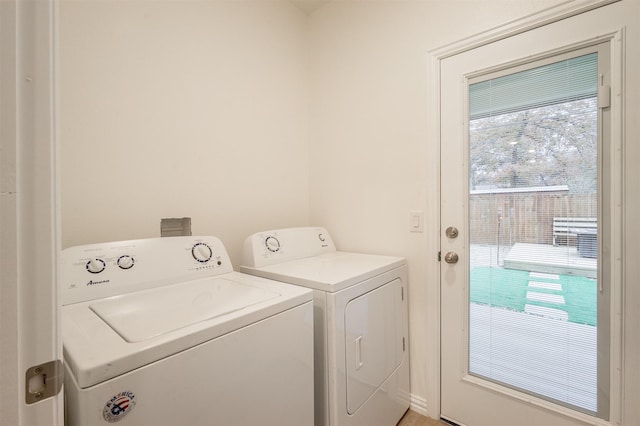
172 109
373 159
250 115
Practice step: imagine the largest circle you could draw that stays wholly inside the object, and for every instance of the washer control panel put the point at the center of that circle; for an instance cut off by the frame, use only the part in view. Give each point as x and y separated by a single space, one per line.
281 245
107 269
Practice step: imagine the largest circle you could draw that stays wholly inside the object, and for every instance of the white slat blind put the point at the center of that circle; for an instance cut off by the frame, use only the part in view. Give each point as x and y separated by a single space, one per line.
533 205
559 82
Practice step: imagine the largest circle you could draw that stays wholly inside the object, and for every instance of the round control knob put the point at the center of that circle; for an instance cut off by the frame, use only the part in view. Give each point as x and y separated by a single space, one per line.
95 265
272 244
201 252
321 237
125 262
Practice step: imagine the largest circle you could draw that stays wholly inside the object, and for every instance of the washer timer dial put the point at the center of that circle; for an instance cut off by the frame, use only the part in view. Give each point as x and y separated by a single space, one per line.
202 252
95 265
125 262
272 243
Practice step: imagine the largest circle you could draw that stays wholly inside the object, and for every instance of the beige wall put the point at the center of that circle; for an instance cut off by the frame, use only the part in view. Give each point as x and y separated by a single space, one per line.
373 161
172 109
247 116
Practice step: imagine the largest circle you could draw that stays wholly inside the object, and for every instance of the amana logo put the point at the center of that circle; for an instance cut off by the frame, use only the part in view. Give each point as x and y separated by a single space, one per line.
119 406
92 282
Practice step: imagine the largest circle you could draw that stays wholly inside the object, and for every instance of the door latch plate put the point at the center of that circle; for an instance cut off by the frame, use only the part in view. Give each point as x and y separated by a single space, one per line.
43 381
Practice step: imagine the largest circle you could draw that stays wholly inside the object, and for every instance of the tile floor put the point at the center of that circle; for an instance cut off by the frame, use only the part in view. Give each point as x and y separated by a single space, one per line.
414 419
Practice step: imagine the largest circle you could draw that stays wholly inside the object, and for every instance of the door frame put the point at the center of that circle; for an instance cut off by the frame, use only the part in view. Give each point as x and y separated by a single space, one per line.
29 211
435 57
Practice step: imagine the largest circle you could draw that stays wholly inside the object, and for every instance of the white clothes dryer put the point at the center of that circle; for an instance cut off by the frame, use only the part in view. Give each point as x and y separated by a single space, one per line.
162 331
361 322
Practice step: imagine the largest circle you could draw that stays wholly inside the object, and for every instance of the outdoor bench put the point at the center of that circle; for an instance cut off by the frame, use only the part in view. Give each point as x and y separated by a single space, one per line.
573 226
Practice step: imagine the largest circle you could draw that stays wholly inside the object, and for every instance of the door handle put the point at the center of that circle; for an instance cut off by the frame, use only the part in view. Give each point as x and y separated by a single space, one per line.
451 257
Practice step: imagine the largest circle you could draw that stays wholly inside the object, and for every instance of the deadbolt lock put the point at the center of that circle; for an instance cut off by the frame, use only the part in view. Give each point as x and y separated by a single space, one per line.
451 232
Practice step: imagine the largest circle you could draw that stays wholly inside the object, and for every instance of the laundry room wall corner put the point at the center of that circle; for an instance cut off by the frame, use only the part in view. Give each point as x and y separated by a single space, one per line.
372 150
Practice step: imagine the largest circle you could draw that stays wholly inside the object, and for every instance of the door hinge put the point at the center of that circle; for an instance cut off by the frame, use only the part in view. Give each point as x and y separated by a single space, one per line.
604 94
402 293
403 345
43 381
439 256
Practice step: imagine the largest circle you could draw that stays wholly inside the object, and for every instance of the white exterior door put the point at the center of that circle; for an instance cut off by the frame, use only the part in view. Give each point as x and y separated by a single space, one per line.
475 393
31 348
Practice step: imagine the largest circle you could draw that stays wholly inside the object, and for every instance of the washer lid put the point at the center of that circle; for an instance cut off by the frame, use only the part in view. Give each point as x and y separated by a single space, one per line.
328 272
140 316
96 333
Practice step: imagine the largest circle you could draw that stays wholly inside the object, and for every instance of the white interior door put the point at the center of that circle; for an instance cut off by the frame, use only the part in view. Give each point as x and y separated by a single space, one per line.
501 353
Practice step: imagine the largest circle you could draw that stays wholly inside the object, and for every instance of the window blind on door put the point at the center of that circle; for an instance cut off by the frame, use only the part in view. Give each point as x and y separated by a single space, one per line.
569 80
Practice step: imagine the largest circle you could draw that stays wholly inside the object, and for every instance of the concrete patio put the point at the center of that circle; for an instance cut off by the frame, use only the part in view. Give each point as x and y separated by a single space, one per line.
546 258
543 258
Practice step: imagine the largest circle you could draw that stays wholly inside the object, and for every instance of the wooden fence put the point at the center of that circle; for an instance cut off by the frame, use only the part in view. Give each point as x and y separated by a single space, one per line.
524 215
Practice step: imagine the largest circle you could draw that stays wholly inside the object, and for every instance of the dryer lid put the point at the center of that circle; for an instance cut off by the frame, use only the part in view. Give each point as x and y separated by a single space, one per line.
329 272
141 316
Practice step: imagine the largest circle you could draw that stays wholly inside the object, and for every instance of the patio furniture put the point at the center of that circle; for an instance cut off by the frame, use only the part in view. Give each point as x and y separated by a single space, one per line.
564 227
587 242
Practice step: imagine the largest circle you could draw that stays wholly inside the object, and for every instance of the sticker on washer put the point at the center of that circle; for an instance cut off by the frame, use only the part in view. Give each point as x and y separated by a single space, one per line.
119 406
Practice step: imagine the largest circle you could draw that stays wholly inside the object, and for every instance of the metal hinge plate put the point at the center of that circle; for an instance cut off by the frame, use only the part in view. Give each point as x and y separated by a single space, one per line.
43 381
604 93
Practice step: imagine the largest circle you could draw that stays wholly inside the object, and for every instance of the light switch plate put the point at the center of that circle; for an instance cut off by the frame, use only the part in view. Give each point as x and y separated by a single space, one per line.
416 221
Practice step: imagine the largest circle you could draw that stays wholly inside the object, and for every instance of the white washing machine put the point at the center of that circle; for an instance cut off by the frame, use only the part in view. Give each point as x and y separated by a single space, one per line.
163 332
361 322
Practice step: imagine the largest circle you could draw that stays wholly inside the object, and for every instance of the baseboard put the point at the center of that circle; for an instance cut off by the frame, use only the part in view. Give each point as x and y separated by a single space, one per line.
419 405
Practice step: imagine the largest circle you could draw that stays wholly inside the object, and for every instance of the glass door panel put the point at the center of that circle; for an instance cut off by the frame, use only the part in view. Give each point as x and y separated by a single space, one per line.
533 230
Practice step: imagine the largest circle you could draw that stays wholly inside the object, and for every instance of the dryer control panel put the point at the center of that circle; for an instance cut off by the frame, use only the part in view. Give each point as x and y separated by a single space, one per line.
100 270
281 245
